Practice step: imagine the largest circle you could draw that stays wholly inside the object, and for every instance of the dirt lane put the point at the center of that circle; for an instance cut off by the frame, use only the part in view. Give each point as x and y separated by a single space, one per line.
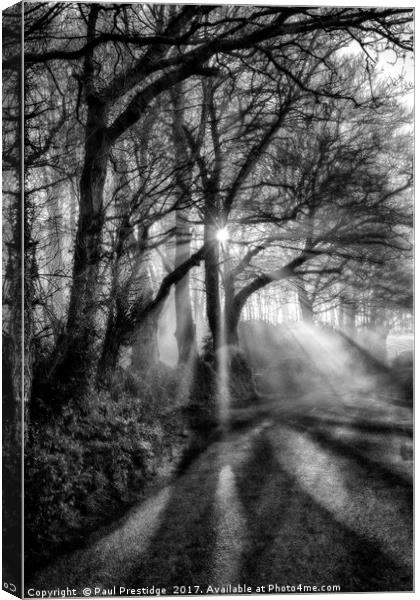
274 503
317 492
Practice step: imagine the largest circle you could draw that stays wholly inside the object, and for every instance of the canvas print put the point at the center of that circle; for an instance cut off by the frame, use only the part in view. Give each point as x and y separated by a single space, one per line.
207 299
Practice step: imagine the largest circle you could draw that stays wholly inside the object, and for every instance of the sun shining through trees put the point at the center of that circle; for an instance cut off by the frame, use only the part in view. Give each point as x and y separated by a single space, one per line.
217 289
222 235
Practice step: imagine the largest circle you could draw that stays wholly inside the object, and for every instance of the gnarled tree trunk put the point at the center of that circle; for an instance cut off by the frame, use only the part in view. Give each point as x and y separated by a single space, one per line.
83 307
77 354
185 328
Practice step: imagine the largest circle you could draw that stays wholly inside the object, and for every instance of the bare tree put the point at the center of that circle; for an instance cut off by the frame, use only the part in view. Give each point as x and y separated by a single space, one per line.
344 206
151 67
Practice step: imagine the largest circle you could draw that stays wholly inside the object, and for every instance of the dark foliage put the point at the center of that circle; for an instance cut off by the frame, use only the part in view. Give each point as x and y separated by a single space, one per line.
84 467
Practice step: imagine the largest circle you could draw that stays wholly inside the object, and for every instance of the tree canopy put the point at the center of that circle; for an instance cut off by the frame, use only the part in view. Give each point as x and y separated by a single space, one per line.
151 128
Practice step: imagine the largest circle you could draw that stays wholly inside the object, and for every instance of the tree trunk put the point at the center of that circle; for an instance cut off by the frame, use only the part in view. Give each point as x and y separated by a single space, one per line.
211 271
348 322
110 348
305 304
185 328
81 322
13 350
145 352
232 314
241 297
232 321
77 355
18 356
379 328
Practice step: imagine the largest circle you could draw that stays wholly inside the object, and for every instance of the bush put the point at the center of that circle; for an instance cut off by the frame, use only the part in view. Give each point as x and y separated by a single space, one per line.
90 458
83 466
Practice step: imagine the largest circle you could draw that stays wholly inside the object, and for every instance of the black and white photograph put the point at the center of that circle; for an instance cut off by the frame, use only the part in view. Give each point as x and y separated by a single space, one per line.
208 326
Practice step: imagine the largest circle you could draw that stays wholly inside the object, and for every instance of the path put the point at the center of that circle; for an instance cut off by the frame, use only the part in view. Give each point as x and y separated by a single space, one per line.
317 492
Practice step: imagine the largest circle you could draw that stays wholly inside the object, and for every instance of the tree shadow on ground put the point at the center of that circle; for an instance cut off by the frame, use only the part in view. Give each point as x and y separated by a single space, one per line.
367 425
354 450
292 539
289 537
181 549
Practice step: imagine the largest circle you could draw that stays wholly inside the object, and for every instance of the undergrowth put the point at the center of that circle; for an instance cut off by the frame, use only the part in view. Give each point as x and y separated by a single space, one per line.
96 457
87 461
